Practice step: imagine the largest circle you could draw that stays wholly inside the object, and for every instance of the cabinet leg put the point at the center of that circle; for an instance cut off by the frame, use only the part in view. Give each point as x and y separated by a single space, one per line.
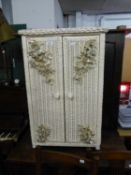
98 147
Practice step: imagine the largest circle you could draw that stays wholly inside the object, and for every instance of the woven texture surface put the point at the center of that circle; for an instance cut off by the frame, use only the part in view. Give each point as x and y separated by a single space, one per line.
66 104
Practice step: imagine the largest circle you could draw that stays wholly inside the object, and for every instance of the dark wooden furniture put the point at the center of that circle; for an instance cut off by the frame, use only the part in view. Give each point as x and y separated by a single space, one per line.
13 101
24 159
64 162
116 160
112 77
12 90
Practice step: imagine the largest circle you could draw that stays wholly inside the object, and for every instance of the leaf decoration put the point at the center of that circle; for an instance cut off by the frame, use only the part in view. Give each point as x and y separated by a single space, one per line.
41 59
86 60
86 134
42 133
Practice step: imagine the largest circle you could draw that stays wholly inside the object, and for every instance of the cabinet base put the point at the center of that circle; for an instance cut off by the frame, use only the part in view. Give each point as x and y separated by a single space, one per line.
96 146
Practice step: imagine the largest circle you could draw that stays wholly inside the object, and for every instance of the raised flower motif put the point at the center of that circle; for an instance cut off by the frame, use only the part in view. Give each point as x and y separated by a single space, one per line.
42 133
41 59
86 60
86 134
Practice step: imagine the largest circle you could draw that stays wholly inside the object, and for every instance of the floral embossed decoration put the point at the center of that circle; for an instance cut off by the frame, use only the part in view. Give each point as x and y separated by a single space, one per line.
41 59
86 60
42 133
86 134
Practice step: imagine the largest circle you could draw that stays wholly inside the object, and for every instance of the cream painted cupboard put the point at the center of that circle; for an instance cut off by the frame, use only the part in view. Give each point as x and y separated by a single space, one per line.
64 81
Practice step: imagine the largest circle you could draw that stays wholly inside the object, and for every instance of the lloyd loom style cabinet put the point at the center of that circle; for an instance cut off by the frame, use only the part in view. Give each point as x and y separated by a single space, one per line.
64 80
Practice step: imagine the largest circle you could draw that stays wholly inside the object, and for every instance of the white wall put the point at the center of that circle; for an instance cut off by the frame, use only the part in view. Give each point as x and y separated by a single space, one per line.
37 13
82 20
48 14
71 21
34 13
59 19
89 20
0 4
108 21
7 10
112 21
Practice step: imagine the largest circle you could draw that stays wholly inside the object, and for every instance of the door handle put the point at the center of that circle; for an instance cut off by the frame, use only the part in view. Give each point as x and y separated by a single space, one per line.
70 96
57 95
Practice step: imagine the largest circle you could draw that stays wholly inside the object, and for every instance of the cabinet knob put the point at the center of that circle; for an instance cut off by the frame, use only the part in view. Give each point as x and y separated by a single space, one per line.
70 96
57 96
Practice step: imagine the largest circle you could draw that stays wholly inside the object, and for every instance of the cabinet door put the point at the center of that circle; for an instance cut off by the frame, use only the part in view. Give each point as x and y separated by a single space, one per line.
82 78
44 80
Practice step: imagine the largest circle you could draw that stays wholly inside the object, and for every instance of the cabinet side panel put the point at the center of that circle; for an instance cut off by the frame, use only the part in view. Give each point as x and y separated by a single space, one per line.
28 88
81 96
46 89
100 86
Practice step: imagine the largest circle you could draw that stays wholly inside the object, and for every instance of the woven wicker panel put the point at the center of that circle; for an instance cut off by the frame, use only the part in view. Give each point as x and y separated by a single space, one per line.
63 107
81 97
47 99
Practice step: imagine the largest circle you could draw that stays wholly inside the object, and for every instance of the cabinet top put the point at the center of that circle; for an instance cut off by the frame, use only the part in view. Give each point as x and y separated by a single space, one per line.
52 31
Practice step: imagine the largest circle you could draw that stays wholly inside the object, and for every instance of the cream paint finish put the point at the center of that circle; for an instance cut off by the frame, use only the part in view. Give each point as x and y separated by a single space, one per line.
67 104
